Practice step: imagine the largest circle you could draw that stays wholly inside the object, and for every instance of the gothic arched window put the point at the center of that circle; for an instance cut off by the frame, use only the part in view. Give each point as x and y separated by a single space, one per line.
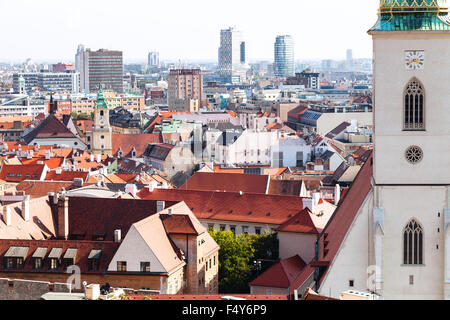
414 110
413 243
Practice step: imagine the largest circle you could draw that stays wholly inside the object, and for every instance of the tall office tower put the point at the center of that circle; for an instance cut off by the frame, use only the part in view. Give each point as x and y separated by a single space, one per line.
102 67
78 57
284 56
349 55
153 60
232 56
185 85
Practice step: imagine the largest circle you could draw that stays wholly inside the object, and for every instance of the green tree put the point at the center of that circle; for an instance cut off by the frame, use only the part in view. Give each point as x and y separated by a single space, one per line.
237 256
234 261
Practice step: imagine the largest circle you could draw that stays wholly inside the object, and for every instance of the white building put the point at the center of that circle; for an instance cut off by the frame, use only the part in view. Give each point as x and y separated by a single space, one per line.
290 152
251 147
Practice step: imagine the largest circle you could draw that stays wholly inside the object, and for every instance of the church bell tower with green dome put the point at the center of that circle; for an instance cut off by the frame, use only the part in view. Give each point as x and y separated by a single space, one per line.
100 139
410 230
404 15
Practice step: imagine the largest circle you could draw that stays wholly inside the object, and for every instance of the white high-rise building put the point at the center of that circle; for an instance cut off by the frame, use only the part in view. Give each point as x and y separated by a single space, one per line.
232 56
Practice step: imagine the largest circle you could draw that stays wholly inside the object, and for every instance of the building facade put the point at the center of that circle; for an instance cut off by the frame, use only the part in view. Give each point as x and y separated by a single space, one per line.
102 67
232 56
184 85
46 81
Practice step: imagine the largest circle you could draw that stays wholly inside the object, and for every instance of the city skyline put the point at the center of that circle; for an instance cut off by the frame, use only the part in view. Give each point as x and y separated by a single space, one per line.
136 31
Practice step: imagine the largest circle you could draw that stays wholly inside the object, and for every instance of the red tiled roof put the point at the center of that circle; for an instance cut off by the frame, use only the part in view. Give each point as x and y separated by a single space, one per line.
282 274
96 216
300 223
218 169
230 182
37 189
179 224
51 163
230 206
40 226
18 173
66 175
51 127
127 142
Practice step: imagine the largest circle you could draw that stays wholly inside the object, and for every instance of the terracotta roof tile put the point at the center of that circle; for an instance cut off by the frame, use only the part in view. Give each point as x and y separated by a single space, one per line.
18 173
66 175
127 142
37 189
230 206
229 182
282 274
106 215
300 223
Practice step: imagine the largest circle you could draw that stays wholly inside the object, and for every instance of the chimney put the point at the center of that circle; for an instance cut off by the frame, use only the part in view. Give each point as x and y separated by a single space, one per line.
99 158
132 189
92 158
7 215
52 198
308 203
26 209
117 236
152 185
316 197
62 230
169 211
160 206
78 182
47 155
337 194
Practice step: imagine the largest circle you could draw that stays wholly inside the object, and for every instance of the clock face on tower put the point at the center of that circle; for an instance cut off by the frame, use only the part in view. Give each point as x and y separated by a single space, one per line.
414 59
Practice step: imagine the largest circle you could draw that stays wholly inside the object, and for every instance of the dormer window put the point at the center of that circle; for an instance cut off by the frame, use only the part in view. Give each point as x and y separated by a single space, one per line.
94 260
69 257
54 258
15 257
38 258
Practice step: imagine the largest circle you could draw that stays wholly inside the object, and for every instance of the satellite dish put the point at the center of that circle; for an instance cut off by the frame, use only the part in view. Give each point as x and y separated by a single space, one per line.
84 283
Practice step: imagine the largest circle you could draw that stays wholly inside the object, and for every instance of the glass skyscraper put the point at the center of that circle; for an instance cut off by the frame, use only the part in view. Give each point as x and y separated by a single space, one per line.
284 57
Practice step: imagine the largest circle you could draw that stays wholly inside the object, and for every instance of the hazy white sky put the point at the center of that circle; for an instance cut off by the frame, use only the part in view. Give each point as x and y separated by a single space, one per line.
50 30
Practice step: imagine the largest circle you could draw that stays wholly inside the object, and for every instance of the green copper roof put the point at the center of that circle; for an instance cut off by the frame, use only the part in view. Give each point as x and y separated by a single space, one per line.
410 15
101 104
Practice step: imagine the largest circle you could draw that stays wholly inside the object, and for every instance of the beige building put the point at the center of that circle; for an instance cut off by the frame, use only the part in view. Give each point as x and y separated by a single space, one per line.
184 84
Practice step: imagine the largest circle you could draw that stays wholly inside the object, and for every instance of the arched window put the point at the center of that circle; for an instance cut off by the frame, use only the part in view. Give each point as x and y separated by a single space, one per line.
413 244
414 106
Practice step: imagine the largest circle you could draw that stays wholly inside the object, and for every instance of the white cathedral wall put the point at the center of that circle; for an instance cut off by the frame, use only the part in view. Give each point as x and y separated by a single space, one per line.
426 205
352 260
391 141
